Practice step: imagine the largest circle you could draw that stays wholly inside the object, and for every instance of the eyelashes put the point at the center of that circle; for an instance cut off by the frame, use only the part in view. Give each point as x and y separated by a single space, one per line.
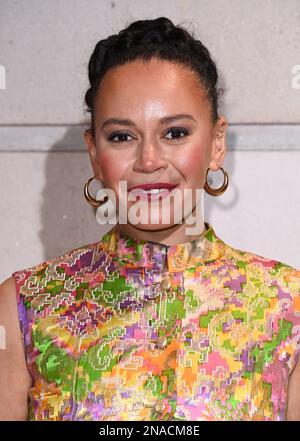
117 134
178 130
172 130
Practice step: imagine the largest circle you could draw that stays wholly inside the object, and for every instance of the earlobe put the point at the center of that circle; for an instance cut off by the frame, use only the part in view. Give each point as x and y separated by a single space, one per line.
221 127
218 147
90 144
89 140
221 134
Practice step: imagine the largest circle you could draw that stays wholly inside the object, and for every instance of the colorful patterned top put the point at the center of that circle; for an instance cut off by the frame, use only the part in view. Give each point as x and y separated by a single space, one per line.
125 329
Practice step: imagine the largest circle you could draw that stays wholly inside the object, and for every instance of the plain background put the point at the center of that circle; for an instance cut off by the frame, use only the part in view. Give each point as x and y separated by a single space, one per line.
45 48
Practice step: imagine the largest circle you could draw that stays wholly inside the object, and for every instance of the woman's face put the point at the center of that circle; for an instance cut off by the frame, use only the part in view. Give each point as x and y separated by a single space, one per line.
140 139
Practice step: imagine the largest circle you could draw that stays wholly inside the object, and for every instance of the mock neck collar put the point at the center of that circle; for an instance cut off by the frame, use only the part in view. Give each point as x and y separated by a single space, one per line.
138 253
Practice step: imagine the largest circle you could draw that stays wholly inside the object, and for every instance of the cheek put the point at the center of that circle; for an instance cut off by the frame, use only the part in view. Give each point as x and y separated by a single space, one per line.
112 169
192 164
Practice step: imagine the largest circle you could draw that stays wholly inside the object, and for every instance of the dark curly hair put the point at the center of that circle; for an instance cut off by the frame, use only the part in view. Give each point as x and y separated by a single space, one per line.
145 39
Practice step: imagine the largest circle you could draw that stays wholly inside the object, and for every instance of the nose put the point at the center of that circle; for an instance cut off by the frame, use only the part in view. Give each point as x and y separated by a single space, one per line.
149 158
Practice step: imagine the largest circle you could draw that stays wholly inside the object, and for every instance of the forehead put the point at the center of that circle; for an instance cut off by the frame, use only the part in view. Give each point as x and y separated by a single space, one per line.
159 84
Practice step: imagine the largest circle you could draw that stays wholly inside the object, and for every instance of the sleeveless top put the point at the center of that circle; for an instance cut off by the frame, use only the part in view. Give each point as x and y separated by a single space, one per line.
126 329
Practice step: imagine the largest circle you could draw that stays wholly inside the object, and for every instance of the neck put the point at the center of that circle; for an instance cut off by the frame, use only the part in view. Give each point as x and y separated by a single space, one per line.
171 235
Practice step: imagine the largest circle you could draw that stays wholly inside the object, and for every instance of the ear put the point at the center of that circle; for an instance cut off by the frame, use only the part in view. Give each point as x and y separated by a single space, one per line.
90 143
218 144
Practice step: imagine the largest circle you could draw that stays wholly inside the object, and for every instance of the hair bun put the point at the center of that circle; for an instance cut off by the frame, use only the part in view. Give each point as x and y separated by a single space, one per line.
158 31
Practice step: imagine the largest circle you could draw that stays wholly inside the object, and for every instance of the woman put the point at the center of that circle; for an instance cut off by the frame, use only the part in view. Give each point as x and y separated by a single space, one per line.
153 322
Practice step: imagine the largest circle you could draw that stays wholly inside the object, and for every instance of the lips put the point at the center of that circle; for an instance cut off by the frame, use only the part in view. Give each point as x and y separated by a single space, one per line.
154 186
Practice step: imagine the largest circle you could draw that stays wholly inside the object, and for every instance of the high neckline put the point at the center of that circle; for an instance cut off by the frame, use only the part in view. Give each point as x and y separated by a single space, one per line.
139 253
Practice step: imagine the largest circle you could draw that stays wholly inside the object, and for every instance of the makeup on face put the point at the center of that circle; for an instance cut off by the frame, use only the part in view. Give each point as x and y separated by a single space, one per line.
152 130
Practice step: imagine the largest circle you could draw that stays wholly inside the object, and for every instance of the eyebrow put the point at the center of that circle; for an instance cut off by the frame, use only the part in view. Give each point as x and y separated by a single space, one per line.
164 120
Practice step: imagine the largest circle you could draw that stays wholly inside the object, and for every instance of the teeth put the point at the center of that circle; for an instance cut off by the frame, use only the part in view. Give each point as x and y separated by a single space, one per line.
154 191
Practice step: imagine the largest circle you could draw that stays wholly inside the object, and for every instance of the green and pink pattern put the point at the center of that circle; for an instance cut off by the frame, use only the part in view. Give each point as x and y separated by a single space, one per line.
125 329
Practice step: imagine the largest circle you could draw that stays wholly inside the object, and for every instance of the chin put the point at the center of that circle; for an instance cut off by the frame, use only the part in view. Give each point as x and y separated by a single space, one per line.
154 227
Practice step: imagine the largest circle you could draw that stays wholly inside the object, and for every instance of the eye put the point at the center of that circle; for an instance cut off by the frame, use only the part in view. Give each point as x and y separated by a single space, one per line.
176 131
121 135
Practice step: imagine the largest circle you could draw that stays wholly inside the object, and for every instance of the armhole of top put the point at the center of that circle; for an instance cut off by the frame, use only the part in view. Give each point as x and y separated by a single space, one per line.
296 325
296 358
23 318
296 354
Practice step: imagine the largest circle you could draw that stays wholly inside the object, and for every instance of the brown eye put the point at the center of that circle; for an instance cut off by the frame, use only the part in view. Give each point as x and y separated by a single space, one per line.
176 131
119 135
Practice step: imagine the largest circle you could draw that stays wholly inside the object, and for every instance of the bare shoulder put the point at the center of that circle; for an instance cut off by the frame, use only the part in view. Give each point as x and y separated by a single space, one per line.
8 292
15 379
8 311
293 405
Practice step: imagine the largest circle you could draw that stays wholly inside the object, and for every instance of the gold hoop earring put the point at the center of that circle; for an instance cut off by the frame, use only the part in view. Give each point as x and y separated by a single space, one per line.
216 191
89 198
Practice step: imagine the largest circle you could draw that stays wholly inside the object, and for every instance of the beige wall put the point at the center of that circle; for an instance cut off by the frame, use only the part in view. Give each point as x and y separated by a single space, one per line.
45 48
